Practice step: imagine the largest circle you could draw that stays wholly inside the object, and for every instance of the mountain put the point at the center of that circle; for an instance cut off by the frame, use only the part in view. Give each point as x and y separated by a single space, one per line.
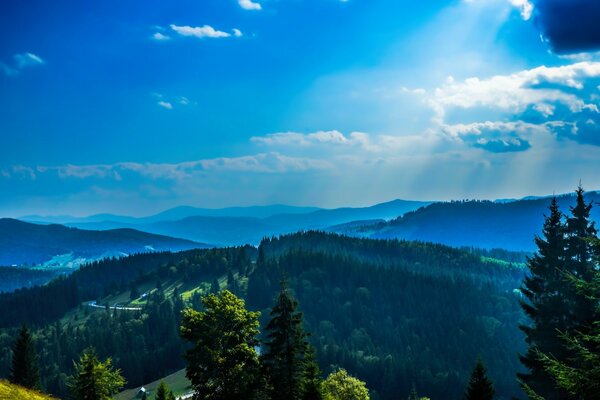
237 230
484 224
173 214
32 244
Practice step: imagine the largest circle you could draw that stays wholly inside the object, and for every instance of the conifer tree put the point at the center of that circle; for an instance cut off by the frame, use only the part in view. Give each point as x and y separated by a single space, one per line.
93 379
580 234
480 387
286 347
24 369
545 305
163 392
215 288
313 383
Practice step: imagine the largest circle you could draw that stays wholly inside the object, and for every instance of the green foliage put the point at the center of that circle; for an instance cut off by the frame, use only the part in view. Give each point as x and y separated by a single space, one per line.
24 368
561 304
480 387
93 379
163 392
223 363
341 386
286 348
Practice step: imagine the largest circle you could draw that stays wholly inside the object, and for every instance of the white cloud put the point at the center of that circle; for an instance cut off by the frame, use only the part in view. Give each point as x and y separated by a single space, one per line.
525 6
539 87
160 37
237 32
165 104
205 31
249 5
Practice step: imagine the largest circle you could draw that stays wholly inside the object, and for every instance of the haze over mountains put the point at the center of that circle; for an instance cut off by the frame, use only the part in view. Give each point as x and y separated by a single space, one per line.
506 224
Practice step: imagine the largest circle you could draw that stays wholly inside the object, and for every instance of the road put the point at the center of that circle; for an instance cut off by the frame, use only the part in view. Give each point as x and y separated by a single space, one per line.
115 307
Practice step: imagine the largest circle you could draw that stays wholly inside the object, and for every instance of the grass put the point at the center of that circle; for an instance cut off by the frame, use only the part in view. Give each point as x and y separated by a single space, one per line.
177 382
13 392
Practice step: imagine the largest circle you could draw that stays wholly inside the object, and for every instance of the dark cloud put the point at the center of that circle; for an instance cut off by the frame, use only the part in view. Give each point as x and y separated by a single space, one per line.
569 26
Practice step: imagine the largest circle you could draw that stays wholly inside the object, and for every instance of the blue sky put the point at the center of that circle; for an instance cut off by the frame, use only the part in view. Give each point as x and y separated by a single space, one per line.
132 107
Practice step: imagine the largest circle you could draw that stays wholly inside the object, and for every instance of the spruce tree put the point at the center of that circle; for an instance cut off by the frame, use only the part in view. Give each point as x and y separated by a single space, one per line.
286 347
580 234
163 392
93 379
480 387
313 383
545 304
24 369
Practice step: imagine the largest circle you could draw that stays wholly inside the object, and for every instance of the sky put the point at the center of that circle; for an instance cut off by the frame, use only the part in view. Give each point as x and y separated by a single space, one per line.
133 106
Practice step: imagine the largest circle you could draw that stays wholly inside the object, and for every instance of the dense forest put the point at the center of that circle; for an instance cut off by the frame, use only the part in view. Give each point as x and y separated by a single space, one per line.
394 313
403 317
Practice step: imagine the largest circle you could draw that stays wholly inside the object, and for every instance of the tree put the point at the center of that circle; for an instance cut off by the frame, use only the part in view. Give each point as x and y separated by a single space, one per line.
163 392
341 386
93 379
480 387
580 234
223 363
545 305
579 375
215 287
313 383
24 368
286 347
134 293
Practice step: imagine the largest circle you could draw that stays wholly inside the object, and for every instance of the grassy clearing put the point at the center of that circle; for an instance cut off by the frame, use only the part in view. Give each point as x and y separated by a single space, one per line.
177 382
8 391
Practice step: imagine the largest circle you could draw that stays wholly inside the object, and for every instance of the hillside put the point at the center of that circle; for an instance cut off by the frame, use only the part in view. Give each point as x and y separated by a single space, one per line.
8 391
32 244
407 308
508 225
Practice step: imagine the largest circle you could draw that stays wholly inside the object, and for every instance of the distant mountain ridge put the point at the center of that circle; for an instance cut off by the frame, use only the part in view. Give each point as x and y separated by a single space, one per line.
247 225
27 243
482 224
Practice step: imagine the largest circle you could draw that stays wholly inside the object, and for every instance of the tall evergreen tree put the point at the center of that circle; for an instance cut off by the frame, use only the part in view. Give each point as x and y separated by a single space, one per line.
580 234
24 370
286 347
480 387
545 305
313 383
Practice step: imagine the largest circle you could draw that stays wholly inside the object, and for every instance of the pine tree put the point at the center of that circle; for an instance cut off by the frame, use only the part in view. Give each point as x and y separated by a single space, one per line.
313 383
286 347
215 287
480 387
580 234
93 379
163 392
545 305
24 369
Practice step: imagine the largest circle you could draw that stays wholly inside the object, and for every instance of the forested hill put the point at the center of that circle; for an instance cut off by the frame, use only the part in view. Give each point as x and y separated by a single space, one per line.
423 258
384 310
508 225
27 243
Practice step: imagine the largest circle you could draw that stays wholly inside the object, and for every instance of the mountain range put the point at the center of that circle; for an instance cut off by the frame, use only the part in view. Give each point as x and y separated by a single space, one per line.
32 244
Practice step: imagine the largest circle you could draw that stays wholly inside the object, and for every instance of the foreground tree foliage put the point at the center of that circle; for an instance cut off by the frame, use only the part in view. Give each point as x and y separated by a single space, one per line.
223 363
563 293
163 392
286 348
341 386
93 379
480 387
24 368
